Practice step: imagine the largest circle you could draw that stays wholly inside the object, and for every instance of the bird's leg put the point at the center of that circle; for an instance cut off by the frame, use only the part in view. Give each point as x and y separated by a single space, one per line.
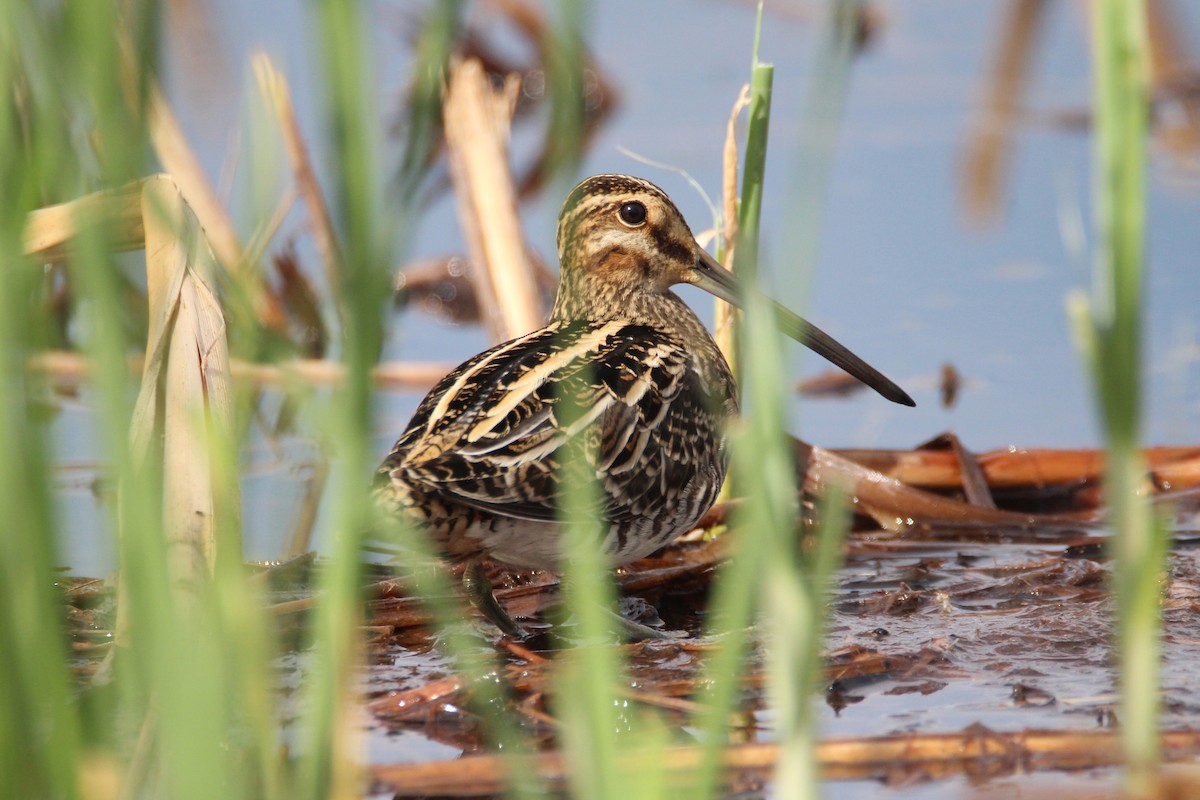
479 591
636 631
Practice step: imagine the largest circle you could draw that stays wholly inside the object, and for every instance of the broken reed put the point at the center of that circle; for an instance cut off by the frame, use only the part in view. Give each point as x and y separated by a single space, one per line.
193 640
194 711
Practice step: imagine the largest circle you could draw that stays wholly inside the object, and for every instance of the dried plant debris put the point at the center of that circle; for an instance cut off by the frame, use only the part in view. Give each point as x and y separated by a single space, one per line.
949 385
829 383
490 36
982 639
440 287
1008 631
443 289
980 651
1175 119
299 303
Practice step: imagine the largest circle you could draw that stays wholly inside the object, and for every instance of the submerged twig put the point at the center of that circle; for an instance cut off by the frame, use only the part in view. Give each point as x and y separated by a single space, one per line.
974 750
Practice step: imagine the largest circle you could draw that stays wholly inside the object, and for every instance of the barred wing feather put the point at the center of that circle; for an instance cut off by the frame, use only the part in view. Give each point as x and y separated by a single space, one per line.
491 434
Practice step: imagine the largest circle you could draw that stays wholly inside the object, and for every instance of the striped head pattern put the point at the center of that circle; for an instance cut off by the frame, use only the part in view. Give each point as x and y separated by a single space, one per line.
619 238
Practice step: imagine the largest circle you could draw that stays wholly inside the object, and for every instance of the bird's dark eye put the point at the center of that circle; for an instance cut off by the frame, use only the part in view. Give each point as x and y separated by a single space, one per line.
632 213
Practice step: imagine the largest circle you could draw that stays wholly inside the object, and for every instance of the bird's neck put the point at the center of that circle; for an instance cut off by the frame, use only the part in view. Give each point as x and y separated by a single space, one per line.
602 302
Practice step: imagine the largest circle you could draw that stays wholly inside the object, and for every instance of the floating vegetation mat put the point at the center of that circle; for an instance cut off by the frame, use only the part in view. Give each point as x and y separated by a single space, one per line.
967 652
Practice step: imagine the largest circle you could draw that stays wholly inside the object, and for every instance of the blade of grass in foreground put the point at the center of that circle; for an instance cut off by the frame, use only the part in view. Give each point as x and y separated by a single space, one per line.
798 579
565 86
434 47
40 736
171 666
824 102
330 729
584 691
1111 329
479 668
797 585
40 731
735 596
331 757
794 585
167 669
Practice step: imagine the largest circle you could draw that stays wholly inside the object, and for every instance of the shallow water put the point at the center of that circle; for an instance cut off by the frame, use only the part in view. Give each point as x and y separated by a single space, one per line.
935 632
924 637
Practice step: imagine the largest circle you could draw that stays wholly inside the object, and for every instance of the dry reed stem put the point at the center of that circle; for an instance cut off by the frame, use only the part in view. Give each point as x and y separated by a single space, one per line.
974 482
187 373
261 238
725 314
181 163
988 144
300 541
729 173
70 368
1172 467
274 86
974 751
898 508
401 375
49 230
1171 65
187 376
477 122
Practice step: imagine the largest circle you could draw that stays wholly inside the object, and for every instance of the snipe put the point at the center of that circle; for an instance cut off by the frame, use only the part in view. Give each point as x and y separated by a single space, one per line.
622 363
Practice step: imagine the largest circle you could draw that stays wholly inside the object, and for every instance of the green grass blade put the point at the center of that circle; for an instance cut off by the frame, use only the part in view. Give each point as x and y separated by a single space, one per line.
434 47
358 205
481 671
734 598
793 587
1139 541
565 86
40 736
585 691
824 104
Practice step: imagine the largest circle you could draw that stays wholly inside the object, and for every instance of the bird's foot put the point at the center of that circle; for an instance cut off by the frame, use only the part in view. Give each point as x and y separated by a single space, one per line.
636 631
478 589
629 629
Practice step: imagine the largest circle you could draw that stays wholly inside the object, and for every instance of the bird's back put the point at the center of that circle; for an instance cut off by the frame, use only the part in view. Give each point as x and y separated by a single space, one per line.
482 459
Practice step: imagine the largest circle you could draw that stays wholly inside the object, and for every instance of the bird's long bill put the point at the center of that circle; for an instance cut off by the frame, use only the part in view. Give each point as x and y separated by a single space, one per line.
716 280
